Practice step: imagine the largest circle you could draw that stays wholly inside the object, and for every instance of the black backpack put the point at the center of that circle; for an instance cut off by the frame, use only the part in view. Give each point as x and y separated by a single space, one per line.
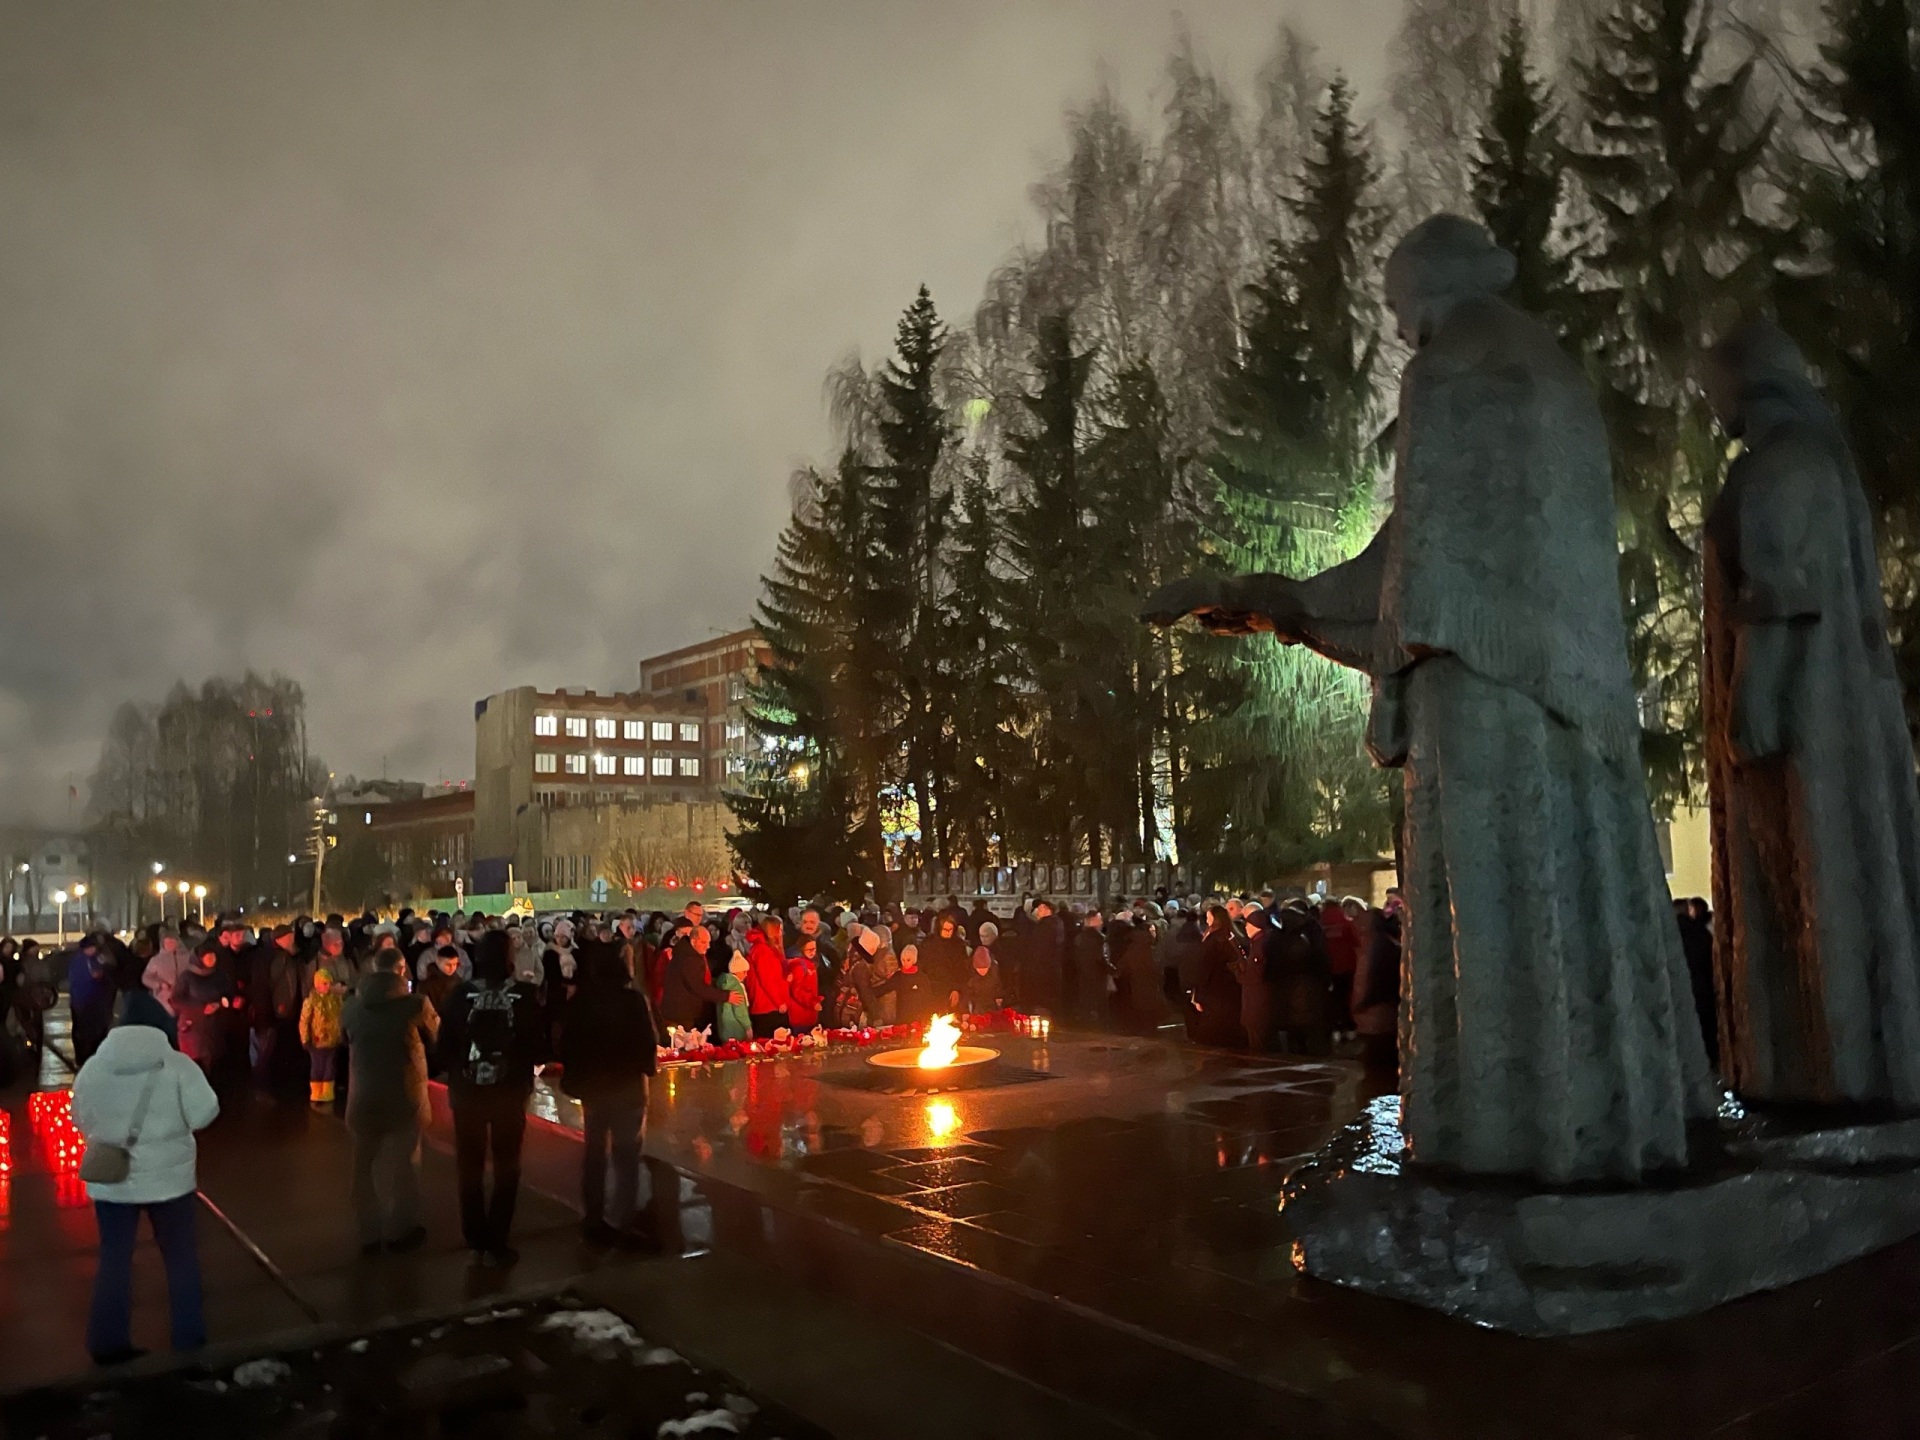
493 1017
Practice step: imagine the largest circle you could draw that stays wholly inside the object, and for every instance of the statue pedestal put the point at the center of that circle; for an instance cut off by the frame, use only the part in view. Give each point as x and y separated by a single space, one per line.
1770 1202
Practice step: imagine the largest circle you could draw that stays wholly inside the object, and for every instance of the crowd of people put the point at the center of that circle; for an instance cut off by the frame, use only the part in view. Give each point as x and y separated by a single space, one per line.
355 1016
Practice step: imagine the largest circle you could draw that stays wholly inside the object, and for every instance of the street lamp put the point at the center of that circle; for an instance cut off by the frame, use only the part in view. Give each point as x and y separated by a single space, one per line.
200 894
60 908
160 889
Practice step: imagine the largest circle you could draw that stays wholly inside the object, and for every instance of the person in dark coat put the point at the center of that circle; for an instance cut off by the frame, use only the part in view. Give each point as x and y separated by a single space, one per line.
689 995
981 914
1137 974
1043 961
1256 994
202 997
1300 974
1090 971
1696 942
915 1001
492 1035
1376 994
944 960
981 992
274 991
388 1030
1215 995
607 1055
90 990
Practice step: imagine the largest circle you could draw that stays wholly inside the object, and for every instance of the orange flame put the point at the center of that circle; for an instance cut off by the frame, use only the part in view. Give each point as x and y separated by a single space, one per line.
943 1044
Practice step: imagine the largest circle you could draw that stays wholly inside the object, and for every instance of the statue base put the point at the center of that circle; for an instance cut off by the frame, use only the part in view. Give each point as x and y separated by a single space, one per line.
1771 1201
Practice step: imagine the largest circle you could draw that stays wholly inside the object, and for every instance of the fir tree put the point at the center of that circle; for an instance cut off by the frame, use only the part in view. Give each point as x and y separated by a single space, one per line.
1517 181
1673 258
1854 304
914 503
1145 531
810 811
1293 466
1049 554
979 670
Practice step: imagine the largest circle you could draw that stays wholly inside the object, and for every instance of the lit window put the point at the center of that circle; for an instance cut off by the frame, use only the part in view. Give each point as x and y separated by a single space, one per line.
689 765
546 764
634 764
634 730
576 764
736 729
690 730
577 726
736 689
604 729
663 765
546 724
603 764
663 729
736 764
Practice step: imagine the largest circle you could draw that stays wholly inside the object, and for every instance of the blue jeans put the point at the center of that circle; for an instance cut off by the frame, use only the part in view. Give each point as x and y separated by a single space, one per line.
110 1321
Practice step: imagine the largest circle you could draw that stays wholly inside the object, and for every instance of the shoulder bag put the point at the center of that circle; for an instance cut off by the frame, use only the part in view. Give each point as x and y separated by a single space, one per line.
108 1164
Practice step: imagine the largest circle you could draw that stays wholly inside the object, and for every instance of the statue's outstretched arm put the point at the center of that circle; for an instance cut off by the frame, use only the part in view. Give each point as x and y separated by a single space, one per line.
1335 612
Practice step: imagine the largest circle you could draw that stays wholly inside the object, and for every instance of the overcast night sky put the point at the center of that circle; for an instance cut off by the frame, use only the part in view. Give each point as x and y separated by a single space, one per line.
417 351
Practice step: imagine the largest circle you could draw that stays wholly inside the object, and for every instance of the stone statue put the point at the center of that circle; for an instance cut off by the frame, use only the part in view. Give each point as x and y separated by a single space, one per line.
1547 1025
1816 822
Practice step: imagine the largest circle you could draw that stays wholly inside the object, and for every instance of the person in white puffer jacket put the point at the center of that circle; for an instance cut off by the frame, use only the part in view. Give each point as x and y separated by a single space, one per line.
161 1180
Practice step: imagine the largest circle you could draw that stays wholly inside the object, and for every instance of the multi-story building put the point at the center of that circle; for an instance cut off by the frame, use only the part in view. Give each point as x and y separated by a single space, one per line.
538 751
427 843
670 745
718 671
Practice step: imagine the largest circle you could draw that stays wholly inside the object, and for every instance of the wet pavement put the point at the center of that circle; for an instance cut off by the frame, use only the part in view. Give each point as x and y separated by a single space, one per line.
283 1275
1094 1252
1113 1232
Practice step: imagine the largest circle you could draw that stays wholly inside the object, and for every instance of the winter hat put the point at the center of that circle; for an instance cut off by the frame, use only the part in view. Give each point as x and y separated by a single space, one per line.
738 967
870 941
563 932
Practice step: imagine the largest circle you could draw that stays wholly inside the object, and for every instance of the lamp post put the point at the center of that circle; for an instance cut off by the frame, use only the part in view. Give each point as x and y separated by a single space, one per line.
160 889
181 889
79 893
60 909
200 894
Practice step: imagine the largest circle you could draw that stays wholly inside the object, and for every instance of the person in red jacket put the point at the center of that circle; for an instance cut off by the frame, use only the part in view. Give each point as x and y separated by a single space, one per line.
803 986
767 997
1343 957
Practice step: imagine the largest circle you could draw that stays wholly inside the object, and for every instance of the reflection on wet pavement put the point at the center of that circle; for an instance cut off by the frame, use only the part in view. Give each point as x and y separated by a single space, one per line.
1139 1189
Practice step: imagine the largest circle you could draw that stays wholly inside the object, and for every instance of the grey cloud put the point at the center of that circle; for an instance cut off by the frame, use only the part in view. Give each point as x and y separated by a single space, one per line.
417 351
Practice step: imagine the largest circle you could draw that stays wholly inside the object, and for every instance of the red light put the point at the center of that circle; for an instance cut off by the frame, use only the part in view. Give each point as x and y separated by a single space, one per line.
699 884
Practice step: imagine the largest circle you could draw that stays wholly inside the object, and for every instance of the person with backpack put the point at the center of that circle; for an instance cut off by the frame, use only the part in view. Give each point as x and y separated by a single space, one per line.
492 1034
607 1055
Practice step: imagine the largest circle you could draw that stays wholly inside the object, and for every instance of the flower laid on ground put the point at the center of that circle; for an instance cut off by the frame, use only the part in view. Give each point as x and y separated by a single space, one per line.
687 1050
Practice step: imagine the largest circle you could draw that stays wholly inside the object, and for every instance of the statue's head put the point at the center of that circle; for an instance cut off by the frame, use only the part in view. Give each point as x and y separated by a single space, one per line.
1755 354
1441 262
